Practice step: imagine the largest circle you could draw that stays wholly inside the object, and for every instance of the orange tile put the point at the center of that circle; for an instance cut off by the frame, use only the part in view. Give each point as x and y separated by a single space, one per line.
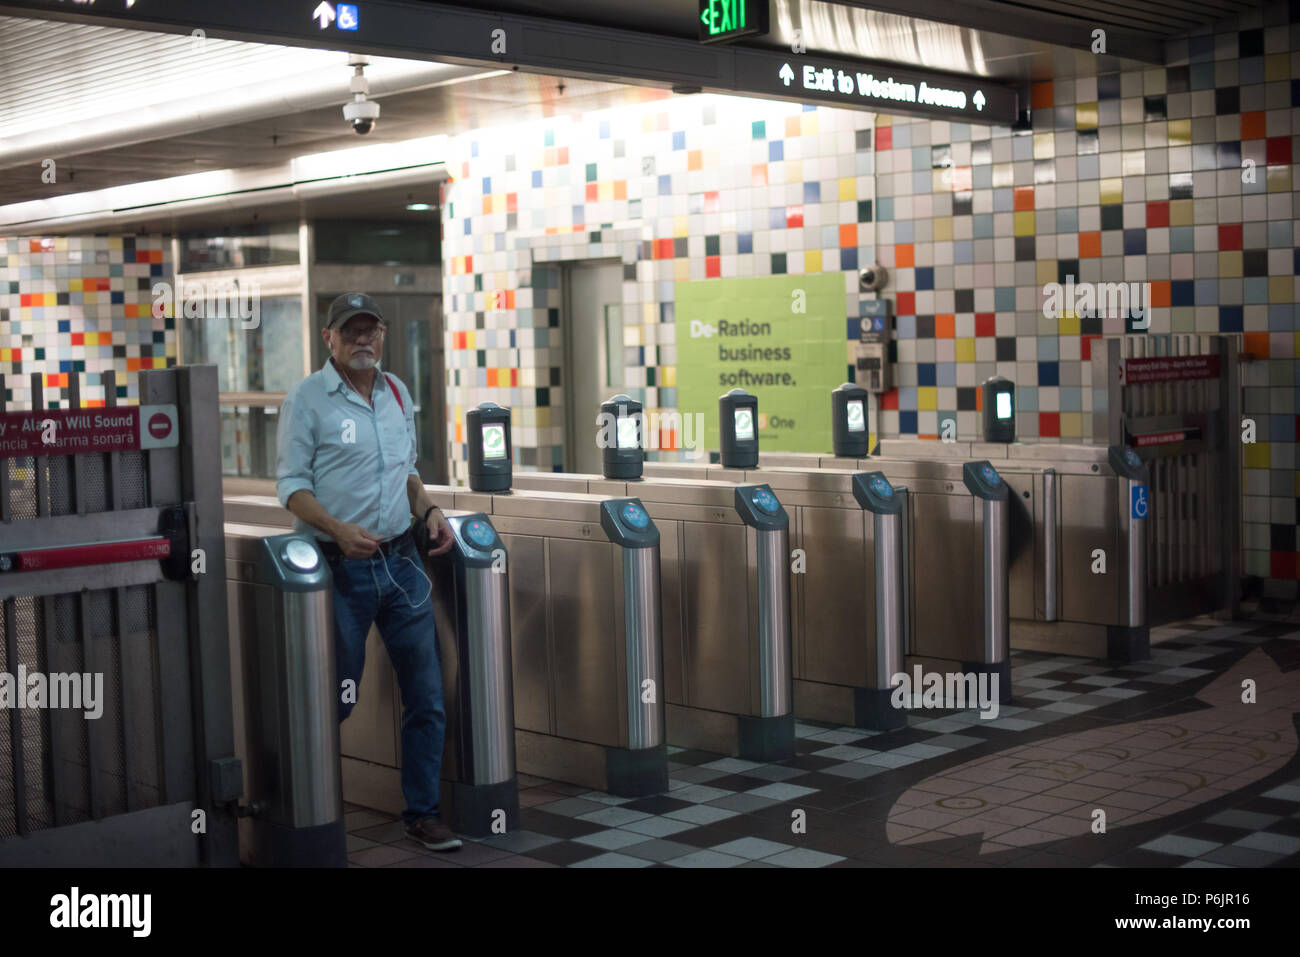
510 298
1024 198
1089 245
1252 125
904 256
758 175
849 235
1257 344
792 126
945 327
620 189
1042 96
1160 292
694 159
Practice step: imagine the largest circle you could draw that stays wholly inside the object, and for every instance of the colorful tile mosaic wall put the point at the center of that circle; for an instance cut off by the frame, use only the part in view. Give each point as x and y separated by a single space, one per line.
81 304
1135 176
680 189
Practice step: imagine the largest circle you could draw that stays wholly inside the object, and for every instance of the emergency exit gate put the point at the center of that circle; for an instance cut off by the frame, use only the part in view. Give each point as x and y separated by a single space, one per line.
1176 398
95 577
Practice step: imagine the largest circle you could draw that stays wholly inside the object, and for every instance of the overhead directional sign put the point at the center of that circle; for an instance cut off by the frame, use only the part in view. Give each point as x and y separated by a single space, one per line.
729 19
478 36
875 86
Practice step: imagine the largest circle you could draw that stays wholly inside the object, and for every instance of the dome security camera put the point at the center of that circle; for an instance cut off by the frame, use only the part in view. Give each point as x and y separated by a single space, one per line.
362 114
872 277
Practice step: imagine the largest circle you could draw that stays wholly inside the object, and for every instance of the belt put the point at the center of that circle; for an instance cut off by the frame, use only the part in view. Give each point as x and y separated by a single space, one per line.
332 550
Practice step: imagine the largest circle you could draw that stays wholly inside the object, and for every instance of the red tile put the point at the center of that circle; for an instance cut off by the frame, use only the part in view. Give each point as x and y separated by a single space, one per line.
793 217
1282 565
1085 347
985 324
906 304
1049 425
1278 151
712 201
1157 215
1023 198
1043 95
889 400
78 338
712 267
593 192
663 249
1230 236
884 137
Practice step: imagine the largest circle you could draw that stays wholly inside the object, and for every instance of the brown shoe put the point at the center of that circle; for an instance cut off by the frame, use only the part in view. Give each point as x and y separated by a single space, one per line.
433 834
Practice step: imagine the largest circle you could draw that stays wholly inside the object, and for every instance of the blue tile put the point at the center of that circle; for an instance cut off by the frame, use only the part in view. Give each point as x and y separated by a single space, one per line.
1004 298
982 226
665 185
848 259
1135 242
924 277
812 192
776 217
1207 292
744 242
907 423
1182 292
854 328
1230 318
885 209
905 327
1049 373
537 181
925 374
775 151
679 139
487 185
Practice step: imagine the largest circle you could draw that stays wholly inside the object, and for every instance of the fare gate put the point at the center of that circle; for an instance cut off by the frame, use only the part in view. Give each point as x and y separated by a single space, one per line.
101 510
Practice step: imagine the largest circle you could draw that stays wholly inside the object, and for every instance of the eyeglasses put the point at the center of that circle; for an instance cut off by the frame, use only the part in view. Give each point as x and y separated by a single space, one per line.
351 333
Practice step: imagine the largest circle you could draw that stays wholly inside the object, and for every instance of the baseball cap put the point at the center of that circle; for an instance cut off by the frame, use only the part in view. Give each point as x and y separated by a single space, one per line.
351 304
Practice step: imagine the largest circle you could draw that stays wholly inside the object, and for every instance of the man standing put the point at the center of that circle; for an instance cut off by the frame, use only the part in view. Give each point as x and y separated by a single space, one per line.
346 469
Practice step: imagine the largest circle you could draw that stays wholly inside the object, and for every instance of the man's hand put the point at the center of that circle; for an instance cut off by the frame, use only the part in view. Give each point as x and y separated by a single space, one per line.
440 539
355 541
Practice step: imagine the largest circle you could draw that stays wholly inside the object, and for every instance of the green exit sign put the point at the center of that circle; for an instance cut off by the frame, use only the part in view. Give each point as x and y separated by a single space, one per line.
731 19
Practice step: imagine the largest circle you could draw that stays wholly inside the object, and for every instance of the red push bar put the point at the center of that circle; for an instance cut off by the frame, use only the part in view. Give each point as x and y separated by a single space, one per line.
104 553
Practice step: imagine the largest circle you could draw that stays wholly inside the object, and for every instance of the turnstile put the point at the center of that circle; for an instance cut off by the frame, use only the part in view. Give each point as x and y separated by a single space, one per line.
285 698
586 639
840 583
472 615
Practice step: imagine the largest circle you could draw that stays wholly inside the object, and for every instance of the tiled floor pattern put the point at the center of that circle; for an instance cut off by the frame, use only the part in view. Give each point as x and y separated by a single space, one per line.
857 788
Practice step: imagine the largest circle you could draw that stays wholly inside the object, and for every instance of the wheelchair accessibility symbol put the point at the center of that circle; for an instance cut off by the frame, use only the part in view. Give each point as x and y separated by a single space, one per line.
1139 501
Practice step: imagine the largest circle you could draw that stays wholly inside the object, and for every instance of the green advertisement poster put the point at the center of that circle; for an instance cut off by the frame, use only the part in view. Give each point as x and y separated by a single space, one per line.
780 337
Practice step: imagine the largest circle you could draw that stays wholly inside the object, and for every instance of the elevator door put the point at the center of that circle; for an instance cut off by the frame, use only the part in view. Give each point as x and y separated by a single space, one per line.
413 352
588 288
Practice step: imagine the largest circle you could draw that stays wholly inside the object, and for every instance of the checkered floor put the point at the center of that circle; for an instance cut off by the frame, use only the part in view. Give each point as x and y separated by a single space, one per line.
853 787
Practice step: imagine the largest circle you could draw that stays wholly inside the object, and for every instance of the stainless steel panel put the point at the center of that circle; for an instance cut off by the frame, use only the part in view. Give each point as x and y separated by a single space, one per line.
947 605
837 632
887 553
583 629
772 578
717 664
642 634
485 654
1024 568
529 648
1088 522
996 619
1049 521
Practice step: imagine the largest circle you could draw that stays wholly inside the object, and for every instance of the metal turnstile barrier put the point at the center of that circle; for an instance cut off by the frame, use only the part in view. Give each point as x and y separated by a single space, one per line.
286 698
472 615
586 636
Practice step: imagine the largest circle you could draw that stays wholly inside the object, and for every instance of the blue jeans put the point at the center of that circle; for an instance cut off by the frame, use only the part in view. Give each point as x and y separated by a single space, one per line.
370 591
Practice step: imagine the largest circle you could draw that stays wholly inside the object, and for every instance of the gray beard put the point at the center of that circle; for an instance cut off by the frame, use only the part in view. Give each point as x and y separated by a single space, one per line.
362 363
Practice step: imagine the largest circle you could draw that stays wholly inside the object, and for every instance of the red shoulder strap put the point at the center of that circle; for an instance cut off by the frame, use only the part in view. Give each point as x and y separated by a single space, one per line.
392 384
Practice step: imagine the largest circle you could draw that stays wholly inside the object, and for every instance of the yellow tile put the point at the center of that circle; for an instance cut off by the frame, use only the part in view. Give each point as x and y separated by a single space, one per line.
927 398
682 270
4 355
669 376
1180 132
1181 212
1279 179
90 298
1069 324
1085 116
648 311
543 417
812 261
848 189
1045 270
943 229
1024 222
74 285
1044 145
469 338
605 191
794 171
941 181
807 124
1282 289
1277 67
965 350
1112 191
1257 455
1230 264
681 226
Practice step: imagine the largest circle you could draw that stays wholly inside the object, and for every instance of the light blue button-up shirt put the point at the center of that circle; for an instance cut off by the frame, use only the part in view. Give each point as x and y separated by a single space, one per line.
353 458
